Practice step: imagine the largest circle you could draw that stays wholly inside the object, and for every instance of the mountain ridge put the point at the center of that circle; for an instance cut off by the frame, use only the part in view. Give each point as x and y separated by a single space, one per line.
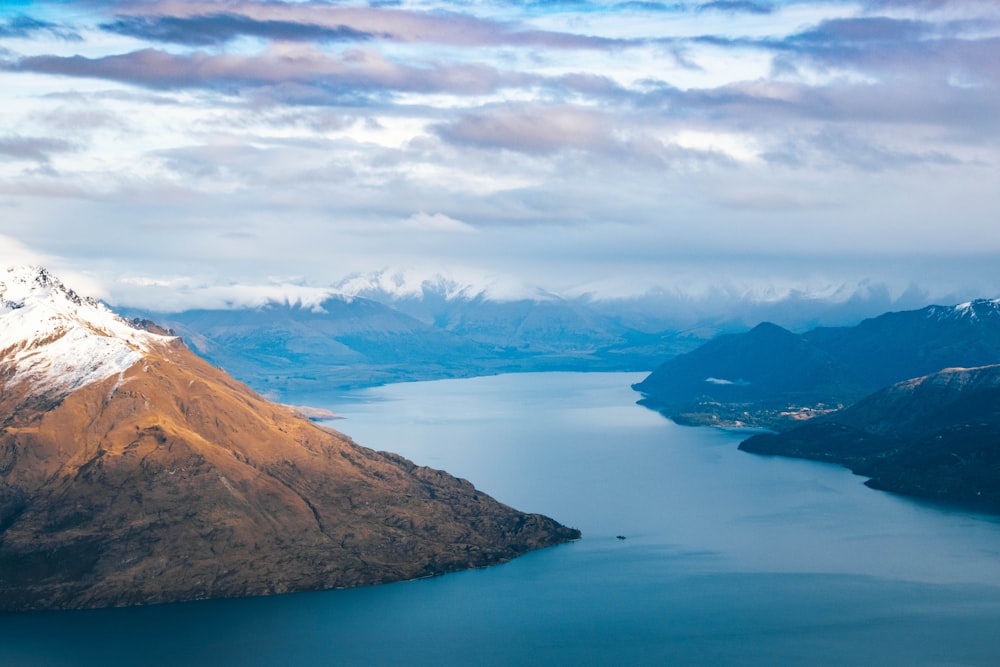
57 341
348 343
787 378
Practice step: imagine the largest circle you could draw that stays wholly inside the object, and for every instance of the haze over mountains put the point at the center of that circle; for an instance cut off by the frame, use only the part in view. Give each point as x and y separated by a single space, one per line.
348 341
391 326
132 472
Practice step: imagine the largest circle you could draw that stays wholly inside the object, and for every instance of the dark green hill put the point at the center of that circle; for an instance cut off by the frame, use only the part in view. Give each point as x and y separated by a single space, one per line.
934 437
896 346
756 378
774 378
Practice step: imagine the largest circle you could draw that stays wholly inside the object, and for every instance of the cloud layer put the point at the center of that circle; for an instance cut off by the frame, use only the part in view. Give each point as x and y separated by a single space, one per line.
594 147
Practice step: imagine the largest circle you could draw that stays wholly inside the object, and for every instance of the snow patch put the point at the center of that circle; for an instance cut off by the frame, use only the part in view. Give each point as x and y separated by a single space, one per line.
970 310
58 341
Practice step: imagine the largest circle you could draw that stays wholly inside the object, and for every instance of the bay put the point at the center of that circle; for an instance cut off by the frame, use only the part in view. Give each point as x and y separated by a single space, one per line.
728 558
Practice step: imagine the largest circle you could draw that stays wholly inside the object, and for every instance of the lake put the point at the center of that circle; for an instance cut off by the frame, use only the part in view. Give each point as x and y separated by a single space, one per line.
729 558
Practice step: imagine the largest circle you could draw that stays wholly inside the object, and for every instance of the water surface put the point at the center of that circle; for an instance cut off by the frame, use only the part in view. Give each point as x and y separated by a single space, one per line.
729 558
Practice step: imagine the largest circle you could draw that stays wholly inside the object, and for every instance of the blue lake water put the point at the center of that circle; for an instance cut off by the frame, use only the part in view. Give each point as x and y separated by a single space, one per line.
730 558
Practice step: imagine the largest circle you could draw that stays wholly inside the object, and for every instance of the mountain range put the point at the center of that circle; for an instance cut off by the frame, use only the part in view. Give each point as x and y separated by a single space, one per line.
909 399
394 325
774 378
134 472
352 341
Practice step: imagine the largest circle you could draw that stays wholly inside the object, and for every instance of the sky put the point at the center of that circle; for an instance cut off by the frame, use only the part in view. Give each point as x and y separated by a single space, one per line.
172 154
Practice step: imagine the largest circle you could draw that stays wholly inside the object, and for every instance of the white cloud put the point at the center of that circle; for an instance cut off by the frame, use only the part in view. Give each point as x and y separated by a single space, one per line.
437 222
721 381
704 154
13 253
181 293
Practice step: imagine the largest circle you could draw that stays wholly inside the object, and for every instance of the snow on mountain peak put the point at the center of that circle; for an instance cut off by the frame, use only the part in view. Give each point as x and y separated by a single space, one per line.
57 341
401 284
973 309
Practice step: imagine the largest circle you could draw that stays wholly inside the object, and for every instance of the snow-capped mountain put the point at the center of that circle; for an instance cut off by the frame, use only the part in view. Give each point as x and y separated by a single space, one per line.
58 341
359 341
970 310
390 285
134 472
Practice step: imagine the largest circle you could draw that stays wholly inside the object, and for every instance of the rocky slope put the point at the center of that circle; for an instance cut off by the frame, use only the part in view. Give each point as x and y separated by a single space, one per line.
133 472
934 437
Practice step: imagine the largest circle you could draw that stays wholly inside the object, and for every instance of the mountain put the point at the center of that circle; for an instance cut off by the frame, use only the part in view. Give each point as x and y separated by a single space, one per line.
896 346
546 332
932 437
774 378
341 342
517 317
352 340
134 472
535 329
768 375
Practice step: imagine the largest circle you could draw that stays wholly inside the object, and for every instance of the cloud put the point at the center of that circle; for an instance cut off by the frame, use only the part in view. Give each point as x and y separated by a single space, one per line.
890 47
216 29
879 49
832 146
166 19
36 149
357 69
771 199
13 253
564 145
529 129
975 6
721 381
737 7
864 30
26 27
438 222
775 111
182 293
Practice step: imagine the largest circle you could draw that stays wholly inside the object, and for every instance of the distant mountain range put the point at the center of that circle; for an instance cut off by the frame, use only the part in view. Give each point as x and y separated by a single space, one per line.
354 341
133 472
398 325
934 437
774 378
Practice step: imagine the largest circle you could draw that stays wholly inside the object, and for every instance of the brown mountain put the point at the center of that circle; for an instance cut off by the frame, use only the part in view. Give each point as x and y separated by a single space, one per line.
133 472
934 437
